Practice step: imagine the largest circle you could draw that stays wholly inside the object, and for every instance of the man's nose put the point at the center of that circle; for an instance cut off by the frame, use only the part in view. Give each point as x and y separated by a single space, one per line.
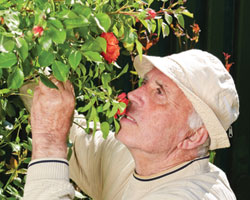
136 96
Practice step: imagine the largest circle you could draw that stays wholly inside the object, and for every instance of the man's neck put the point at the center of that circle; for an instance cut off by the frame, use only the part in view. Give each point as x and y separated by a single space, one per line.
147 164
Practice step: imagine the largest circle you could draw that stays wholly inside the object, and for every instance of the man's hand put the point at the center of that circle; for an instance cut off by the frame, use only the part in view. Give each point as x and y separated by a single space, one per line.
51 119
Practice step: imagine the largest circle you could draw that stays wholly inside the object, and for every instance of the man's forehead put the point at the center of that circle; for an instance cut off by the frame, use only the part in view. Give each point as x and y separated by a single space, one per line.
155 73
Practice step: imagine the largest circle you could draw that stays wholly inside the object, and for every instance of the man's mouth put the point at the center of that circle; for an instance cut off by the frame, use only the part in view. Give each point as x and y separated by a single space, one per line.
129 118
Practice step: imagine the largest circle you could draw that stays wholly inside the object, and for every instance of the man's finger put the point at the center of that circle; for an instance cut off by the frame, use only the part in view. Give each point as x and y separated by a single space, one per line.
69 87
59 84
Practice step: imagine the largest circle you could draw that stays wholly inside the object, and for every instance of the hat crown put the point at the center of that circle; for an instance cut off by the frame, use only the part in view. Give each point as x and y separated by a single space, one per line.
205 75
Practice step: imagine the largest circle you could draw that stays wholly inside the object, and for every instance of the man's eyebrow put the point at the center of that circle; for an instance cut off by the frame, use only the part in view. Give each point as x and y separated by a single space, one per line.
145 79
163 87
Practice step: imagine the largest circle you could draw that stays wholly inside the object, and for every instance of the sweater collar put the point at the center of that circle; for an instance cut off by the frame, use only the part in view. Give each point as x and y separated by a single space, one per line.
172 171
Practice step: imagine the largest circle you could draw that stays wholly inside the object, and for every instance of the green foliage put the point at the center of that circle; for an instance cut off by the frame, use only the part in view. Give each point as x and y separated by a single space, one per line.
67 45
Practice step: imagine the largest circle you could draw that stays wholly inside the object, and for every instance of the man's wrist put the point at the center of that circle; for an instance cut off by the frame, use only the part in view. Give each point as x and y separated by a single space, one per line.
47 146
39 153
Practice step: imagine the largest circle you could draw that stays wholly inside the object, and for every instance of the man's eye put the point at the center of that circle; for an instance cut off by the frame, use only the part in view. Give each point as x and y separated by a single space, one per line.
144 82
159 91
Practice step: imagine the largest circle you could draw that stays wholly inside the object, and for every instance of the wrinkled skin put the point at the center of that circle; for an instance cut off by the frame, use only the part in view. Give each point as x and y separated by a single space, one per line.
156 129
51 119
160 111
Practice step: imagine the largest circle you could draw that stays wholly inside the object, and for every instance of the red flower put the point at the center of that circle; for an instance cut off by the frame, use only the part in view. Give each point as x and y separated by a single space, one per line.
113 49
151 14
38 30
227 64
122 98
226 56
196 28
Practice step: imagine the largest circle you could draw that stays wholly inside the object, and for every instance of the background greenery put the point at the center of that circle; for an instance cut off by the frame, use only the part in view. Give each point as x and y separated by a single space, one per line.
224 28
63 38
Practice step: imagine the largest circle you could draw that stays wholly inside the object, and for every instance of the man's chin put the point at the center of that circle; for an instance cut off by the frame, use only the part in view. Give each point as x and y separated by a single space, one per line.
121 135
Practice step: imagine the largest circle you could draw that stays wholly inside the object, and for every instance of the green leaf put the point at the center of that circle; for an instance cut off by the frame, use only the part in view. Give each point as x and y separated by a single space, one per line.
102 43
93 114
69 154
80 10
7 60
106 106
66 14
180 20
93 56
15 79
159 21
165 29
10 110
80 21
105 129
60 71
6 45
103 21
47 82
139 48
150 2
75 59
55 22
124 70
117 126
2 113
122 106
106 78
121 30
22 47
115 30
58 35
46 58
87 107
152 25
142 15
2 152
46 42
187 13
4 91
145 24
1 73
98 45
114 110
129 36
168 18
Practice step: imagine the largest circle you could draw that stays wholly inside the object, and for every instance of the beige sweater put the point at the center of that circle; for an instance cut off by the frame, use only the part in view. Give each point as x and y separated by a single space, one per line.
104 169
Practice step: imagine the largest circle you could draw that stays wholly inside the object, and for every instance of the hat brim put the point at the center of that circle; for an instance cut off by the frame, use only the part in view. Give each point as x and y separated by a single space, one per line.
217 133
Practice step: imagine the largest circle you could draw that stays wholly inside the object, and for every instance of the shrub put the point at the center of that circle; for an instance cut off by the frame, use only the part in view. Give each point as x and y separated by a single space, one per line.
79 40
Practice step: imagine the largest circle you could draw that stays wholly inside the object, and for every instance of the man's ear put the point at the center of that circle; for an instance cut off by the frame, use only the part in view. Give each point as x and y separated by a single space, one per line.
196 139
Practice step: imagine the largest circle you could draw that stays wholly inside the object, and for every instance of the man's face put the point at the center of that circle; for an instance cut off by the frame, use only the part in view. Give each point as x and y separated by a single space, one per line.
156 120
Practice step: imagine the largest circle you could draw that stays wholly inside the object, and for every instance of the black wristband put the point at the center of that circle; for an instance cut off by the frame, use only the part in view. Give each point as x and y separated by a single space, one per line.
48 161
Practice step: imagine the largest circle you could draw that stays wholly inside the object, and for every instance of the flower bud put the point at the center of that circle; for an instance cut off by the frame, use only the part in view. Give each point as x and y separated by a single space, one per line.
38 31
151 14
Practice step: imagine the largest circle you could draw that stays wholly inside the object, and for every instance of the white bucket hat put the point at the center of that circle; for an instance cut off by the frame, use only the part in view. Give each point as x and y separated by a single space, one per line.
206 83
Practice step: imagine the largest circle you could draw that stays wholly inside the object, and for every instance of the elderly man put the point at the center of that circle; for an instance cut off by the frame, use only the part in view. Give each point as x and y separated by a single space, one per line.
183 109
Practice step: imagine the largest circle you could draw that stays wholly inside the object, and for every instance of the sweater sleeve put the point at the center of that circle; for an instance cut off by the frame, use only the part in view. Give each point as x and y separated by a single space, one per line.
48 179
100 167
